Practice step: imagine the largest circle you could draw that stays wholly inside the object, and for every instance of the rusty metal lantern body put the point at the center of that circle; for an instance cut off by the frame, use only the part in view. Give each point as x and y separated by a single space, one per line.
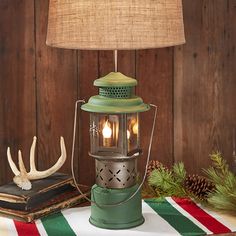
115 145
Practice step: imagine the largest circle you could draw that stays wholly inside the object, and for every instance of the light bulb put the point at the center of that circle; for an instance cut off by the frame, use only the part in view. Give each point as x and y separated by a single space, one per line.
106 131
128 134
135 128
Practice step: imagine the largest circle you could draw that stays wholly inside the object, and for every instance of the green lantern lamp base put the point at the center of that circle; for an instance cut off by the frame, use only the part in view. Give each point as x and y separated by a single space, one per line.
123 216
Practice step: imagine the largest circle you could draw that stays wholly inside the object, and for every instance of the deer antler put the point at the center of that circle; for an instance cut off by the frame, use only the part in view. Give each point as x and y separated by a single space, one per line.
22 178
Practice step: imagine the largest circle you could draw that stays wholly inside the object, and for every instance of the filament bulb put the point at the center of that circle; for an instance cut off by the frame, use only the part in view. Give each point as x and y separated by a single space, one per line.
128 134
106 131
135 128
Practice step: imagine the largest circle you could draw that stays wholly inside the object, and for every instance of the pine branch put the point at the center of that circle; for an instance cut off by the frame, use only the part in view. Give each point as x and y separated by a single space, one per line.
168 183
224 195
179 172
213 175
219 163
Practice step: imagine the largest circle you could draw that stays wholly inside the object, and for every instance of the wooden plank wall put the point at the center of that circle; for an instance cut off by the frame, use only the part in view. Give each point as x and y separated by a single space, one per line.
193 86
205 83
17 80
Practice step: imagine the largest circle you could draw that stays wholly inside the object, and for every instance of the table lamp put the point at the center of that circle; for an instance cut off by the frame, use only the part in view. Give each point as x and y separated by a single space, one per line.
114 112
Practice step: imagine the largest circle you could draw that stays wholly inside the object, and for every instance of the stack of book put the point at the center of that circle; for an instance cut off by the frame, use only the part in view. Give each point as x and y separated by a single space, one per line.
47 196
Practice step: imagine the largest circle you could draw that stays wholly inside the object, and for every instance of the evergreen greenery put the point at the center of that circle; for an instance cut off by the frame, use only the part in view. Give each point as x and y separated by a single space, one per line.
168 182
224 195
163 182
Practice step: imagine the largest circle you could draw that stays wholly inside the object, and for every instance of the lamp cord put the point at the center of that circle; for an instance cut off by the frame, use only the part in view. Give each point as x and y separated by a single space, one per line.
146 167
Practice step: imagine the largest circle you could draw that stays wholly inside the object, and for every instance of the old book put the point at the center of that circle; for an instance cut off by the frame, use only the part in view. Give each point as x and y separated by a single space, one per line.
47 195
56 204
13 197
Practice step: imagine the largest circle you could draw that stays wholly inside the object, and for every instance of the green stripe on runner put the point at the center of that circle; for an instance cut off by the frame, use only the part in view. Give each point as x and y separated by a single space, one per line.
56 224
181 223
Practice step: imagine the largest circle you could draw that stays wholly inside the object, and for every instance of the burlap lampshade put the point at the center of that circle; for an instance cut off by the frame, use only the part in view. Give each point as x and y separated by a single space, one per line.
115 24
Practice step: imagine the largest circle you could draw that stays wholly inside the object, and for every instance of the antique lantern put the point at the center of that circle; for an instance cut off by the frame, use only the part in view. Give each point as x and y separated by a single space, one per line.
115 145
114 113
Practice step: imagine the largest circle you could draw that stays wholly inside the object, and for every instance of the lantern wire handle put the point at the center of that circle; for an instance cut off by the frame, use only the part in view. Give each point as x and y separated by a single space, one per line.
146 167
73 149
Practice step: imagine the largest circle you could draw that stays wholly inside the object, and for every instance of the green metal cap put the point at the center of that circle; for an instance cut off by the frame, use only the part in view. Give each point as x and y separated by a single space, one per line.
115 79
116 95
100 104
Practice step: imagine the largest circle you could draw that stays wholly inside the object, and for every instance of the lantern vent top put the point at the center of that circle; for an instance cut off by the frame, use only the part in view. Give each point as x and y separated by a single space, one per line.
116 85
116 96
115 79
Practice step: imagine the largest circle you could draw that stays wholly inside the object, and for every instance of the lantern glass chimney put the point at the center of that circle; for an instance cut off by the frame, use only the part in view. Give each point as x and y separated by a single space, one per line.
114 134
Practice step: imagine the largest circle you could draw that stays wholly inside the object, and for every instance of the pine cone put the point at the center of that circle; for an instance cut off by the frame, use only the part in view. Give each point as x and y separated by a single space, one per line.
198 185
153 165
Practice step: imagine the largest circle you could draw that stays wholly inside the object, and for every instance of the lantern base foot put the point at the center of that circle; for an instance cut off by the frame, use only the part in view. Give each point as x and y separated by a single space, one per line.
123 216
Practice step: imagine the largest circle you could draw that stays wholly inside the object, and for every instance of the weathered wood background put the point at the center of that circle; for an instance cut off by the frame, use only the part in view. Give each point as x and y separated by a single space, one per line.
194 86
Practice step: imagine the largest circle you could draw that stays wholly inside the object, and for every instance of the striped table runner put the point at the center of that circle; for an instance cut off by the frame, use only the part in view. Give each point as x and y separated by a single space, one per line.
169 216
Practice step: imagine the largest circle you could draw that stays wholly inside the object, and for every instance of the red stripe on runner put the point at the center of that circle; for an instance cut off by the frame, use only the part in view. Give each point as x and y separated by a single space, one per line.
203 217
26 229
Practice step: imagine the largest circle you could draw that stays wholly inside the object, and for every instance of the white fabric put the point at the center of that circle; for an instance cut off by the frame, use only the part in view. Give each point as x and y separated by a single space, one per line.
7 227
40 228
